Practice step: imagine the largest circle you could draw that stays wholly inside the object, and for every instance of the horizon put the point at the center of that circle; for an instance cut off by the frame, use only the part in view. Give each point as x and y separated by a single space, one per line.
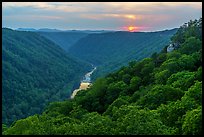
112 16
60 30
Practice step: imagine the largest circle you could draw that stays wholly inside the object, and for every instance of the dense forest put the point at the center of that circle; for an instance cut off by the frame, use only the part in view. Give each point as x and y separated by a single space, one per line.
158 95
111 50
35 71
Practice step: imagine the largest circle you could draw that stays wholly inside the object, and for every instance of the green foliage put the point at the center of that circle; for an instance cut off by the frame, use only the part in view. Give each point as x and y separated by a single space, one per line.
134 121
78 112
171 65
139 66
173 113
114 90
174 54
194 93
140 93
30 125
160 94
4 128
190 46
182 80
117 103
145 73
160 59
60 107
135 83
192 124
126 78
185 62
198 75
162 76
96 93
95 124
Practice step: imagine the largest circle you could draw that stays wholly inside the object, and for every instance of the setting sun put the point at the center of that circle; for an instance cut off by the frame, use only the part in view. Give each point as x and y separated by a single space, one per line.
131 28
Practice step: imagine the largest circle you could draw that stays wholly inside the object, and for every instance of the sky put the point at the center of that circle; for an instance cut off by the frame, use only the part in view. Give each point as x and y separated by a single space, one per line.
125 16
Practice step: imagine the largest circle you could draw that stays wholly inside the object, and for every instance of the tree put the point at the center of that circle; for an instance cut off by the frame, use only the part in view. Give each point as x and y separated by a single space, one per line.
117 103
4 128
192 124
140 65
186 62
78 112
190 46
126 78
160 59
198 75
174 54
134 121
28 126
182 80
162 76
145 73
171 65
194 93
135 83
160 94
114 90
95 124
172 113
63 107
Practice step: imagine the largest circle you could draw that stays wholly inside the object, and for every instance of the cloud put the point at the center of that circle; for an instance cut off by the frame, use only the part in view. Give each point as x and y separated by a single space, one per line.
49 6
152 15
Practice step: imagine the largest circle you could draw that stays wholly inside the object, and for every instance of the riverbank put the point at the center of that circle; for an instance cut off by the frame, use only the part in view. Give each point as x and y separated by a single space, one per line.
85 83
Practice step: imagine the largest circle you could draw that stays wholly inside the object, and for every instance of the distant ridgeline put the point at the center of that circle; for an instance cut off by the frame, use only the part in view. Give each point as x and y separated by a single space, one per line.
35 71
159 95
64 39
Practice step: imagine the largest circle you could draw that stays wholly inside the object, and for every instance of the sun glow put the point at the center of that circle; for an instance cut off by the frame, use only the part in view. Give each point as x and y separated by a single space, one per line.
130 17
132 28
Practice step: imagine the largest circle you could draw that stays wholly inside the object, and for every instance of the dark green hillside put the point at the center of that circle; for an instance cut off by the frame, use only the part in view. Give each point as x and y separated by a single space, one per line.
160 95
110 51
35 71
64 39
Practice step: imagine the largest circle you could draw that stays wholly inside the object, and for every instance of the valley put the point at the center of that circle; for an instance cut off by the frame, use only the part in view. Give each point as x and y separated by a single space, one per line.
110 50
114 83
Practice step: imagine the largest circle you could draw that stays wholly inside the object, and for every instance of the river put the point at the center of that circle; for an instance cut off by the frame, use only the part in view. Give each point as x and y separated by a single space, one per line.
85 83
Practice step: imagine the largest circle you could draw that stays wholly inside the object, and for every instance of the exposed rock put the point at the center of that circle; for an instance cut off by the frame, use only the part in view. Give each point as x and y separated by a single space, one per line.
172 47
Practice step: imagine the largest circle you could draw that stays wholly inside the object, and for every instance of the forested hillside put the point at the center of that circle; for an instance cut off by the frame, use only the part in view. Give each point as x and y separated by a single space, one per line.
64 39
110 51
159 95
35 71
